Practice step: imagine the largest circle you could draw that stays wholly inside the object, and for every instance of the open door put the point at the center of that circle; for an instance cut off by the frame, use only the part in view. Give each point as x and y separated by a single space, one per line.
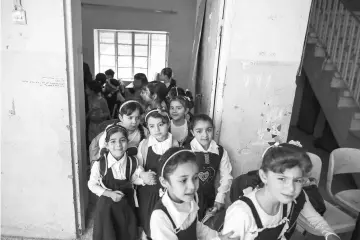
206 53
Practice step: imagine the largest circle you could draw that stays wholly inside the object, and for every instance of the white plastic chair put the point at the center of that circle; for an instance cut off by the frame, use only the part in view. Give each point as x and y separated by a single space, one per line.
338 220
344 160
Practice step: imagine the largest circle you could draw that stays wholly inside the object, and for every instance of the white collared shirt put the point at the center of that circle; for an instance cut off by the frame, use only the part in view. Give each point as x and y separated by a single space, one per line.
240 219
118 169
158 147
183 215
179 132
225 168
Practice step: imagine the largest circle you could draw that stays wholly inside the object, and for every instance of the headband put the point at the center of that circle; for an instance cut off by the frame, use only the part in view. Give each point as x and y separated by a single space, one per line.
114 126
125 103
169 158
162 113
277 144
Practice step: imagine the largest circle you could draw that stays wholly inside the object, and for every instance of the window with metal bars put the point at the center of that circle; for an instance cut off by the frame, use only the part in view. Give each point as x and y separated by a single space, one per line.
131 52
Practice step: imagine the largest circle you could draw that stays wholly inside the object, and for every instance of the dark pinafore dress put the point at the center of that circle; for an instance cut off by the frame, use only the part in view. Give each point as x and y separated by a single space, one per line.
116 220
148 195
268 233
187 234
209 164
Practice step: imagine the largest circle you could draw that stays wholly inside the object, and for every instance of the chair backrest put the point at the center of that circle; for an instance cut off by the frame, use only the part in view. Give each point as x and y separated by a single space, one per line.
317 164
342 160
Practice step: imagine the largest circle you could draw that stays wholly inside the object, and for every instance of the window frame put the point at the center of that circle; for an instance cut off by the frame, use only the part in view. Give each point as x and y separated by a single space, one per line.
97 36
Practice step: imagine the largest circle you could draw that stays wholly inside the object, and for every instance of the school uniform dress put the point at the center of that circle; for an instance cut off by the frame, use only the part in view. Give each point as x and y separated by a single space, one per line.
114 220
99 142
178 221
212 161
149 194
250 222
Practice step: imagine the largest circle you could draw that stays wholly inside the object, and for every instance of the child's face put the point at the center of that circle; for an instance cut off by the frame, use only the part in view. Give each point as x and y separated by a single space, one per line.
177 110
183 183
117 145
158 128
132 121
203 131
146 95
286 186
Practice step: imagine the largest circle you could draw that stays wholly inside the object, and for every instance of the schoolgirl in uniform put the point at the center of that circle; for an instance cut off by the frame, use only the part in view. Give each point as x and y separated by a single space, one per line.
179 106
112 178
175 214
129 115
150 150
212 159
270 212
176 92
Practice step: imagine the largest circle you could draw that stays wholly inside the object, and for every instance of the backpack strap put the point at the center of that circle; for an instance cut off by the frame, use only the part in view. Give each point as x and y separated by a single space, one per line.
253 211
133 165
144 150
221 151
103 165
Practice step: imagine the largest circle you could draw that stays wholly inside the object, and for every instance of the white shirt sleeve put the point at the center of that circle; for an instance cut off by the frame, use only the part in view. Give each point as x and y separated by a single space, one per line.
135 179
203 232
315 219
238 219
94 181
225 178
161 226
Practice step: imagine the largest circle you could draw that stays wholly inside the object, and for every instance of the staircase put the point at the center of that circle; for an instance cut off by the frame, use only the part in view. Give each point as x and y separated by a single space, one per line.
332 64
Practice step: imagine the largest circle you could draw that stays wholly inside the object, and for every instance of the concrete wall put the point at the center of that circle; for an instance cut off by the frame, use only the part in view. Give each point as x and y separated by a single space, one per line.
263 43
136 15
36 159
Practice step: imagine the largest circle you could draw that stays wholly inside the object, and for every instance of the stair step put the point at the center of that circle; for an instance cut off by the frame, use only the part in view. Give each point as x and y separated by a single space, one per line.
357 115
337 82
355 125
346 102
355 133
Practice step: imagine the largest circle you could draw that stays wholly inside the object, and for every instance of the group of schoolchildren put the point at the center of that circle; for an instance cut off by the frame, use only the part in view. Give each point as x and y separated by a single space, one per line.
154 169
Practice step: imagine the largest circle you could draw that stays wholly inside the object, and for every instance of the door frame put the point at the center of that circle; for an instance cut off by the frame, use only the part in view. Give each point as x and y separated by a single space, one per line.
221 68
74 71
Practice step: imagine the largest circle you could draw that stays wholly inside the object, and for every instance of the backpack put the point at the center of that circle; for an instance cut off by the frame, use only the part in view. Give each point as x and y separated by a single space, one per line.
244 183
103 165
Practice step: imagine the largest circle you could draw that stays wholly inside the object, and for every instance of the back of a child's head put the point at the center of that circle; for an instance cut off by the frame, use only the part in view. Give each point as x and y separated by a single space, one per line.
167 72
140 81
172 158
130 106
183 96
280 157
110 72
94 86
159 114
101 78
158 88
200 117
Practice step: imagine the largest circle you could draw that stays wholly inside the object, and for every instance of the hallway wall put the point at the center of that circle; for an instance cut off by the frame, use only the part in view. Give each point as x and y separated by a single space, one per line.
137 15
36 159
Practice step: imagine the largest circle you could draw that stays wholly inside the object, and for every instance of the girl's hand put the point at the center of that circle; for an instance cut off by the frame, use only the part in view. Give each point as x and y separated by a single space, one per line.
116 196
219 206
148 177
227 236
